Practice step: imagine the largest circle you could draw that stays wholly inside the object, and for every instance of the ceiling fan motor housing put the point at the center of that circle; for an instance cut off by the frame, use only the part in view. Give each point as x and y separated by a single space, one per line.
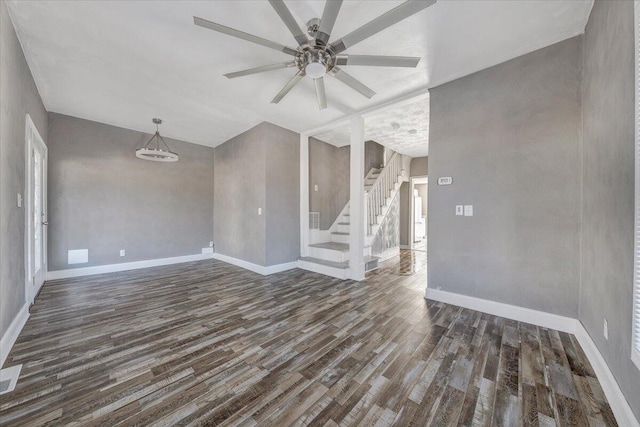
315 61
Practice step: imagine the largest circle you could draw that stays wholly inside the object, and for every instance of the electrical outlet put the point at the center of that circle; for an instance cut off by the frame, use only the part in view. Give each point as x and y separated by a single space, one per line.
210 244
122 252
606 330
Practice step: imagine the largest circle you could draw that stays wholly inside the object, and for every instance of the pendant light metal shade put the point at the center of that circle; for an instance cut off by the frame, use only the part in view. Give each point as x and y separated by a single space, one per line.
157 151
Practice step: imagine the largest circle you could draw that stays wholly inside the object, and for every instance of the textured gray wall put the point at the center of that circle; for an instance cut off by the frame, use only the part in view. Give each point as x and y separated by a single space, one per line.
608 188
388 235
510 138
329 169
283 195
419 166
18 96
103 198
259 168
373 156
405 214
239 191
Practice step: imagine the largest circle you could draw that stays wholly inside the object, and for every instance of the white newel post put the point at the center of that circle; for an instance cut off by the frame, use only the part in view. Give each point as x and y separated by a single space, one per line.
304 194
356 229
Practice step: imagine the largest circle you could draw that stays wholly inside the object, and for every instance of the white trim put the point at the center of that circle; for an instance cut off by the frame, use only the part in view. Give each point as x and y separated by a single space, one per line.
11 335
635 308
260 269
521 314
338 273
112 268
619 405
12 374
30 144
319 236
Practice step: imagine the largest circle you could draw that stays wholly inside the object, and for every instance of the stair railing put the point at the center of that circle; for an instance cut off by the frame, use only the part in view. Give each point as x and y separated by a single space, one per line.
376 197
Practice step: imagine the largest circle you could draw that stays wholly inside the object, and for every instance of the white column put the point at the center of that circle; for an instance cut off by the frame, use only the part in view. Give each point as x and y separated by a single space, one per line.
304 194
356 229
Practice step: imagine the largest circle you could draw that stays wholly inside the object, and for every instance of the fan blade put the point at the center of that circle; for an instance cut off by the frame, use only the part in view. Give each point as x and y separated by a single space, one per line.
260 69
285 90
378 61
244 36
322 96
283 11
393 16
329 15
352 82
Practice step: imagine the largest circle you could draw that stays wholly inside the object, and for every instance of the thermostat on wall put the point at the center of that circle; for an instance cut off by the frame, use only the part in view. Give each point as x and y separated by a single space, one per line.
445 180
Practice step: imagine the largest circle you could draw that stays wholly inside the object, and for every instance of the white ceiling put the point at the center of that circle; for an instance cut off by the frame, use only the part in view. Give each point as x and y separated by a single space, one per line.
124 62
403 127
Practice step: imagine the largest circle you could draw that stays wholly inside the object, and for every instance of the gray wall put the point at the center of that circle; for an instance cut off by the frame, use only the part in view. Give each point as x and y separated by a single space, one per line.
405 214
283 195
239 185
510 138
419 166
258 169
329 169
608 188
18 96
373 156
103 198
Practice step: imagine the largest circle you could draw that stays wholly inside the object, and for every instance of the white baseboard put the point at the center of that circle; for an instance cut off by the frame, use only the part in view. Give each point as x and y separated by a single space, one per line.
617 401
260 269
521 314
112 268
11 335
619 405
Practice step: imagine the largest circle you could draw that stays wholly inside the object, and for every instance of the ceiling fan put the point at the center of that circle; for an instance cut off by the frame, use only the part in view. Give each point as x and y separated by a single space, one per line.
315 56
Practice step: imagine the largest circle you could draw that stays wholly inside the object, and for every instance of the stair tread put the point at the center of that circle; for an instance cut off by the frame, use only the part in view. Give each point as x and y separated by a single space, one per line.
340 233
342 265
334 246
344 223
370 258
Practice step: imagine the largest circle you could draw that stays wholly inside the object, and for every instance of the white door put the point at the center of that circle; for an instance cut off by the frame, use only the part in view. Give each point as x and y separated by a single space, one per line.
36 211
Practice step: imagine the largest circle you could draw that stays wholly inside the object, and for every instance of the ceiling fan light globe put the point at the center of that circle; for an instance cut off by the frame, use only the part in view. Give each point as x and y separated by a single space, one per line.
315 70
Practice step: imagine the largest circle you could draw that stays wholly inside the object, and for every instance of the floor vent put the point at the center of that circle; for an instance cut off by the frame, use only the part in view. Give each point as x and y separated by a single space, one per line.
9 378
371 265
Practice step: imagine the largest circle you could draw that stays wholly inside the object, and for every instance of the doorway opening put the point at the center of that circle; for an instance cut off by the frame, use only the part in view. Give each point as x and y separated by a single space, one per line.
36 157
419 188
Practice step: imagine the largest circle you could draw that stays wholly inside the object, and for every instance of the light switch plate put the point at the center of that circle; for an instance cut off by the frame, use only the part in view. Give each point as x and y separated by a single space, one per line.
315 187
19 200
468 210
210 244
459 210
606 330
122 252
259 211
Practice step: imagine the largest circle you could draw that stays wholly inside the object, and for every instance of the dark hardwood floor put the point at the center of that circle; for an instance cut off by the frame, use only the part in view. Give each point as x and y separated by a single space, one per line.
207 343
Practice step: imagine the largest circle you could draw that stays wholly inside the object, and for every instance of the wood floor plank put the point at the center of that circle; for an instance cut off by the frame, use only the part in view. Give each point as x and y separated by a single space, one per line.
207 343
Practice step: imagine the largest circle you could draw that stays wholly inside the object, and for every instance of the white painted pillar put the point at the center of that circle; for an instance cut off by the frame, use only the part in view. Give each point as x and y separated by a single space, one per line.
356 229
304 194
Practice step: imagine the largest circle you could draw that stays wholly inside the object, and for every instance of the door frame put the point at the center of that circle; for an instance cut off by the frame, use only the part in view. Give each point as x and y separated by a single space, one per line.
30 291
412 212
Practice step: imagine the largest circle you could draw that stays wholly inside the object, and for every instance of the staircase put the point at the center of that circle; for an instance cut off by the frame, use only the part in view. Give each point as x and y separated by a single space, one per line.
332 257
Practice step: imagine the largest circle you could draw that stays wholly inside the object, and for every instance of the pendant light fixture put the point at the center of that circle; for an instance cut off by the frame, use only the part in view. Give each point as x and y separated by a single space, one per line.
155 151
